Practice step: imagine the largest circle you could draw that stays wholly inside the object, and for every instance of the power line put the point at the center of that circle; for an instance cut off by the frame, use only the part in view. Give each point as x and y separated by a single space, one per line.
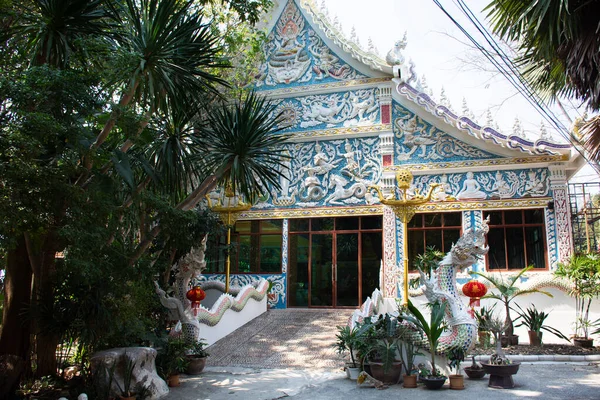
509 70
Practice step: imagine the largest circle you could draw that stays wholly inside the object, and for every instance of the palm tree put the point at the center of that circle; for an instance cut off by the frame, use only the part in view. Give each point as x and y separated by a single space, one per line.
558 50
507 292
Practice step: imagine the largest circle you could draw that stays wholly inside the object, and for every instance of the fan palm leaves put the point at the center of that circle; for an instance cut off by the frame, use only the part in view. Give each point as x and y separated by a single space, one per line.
558 43
54 28
242 147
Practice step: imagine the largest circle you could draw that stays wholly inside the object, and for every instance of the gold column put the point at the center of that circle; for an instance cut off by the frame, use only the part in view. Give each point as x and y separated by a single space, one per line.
405 208
229 207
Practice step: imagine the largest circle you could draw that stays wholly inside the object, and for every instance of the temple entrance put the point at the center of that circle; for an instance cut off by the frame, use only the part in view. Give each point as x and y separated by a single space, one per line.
333 262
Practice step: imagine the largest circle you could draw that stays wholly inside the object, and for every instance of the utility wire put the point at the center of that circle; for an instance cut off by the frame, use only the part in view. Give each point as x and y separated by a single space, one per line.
510 71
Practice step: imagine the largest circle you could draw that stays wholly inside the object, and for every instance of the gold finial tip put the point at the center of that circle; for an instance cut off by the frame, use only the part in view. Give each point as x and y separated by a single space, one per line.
404 178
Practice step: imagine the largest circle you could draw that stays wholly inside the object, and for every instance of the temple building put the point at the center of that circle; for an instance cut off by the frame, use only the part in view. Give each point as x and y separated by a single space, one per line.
354 120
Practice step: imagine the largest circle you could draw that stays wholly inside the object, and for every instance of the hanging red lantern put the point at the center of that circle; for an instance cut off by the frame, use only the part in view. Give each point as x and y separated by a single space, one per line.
475 290
195 295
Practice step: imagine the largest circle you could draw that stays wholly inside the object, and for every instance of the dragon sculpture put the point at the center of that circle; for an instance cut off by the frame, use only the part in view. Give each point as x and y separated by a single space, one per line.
441 287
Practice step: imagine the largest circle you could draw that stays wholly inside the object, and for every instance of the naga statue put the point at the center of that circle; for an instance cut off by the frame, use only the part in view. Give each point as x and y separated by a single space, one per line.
188 268
441 287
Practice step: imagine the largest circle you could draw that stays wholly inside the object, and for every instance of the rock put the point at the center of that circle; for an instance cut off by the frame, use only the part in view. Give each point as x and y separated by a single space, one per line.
11 367
82 396
144 373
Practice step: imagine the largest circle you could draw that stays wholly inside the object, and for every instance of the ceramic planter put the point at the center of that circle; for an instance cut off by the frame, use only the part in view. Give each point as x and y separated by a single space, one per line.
476 373
583 342
196 364
410 381
501 375
389 377
352 373
457 382
433 382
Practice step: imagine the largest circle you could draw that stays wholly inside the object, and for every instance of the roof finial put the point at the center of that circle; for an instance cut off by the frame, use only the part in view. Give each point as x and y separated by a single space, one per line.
518 129
465 109
444 100
353 36
544 135
371 46
489 120
395 56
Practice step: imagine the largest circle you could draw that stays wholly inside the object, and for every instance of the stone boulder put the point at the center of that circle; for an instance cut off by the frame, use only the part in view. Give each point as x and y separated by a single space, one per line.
144 373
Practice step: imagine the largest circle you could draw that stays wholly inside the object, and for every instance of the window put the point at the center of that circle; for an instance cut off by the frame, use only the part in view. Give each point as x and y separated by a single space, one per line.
438 230
516 239
255 248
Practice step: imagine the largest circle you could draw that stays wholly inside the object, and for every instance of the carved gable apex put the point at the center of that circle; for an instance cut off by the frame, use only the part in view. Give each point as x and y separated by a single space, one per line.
303 48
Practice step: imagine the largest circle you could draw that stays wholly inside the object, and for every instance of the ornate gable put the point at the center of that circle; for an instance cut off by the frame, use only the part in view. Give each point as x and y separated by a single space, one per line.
295 54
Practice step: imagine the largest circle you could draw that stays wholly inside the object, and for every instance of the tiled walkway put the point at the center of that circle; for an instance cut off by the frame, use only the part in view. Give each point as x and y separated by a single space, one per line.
291 338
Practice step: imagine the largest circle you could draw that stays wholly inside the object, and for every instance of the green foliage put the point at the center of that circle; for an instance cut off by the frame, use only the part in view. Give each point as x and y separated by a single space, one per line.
484 315
432 330
346 338
507 292
197 349
456 355
427 262
171 358
584 272
534 321
408 353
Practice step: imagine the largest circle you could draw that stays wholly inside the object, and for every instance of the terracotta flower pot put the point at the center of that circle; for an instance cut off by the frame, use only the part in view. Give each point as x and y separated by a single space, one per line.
457 382
173 381
410 381
535 338
506 341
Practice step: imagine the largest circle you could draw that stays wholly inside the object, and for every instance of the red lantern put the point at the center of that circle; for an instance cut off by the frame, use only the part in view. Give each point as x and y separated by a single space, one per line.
475 290
195 295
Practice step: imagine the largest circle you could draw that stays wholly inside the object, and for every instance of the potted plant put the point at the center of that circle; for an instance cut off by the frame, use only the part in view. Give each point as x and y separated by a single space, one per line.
584 272
483 315
408 353
474 371
127 364
172 360
383 353
432 331
500 367
534 321
196 358
507 292
456 355
346 338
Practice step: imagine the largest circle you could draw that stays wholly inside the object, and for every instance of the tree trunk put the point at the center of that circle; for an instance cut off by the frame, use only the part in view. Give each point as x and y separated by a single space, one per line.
15 334
510 330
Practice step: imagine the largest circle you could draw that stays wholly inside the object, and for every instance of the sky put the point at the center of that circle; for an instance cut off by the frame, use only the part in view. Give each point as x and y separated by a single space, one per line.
434 45
442 54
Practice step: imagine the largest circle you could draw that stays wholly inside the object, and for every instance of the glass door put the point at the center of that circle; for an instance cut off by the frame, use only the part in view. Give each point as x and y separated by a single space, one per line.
346 270
321 268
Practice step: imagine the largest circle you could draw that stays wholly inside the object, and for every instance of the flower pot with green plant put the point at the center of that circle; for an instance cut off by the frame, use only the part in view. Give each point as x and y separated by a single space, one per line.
456 355
534 321
408 354
583 270
500 367
346 339
383 353
196 358
507 292
127 365
474 371
483 315
432 331
172 360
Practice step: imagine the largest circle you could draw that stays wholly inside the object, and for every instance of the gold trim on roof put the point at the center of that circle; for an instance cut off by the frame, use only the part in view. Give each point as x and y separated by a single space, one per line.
333 132
514 161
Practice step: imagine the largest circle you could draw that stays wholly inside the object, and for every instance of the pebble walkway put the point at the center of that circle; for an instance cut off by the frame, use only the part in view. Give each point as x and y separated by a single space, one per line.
290 338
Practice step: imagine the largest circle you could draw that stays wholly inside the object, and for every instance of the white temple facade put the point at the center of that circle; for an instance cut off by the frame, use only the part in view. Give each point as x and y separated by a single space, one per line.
354 119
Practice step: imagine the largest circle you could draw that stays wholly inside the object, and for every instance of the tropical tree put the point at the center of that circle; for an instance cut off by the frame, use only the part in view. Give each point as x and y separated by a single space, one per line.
507 292
558 45
100 182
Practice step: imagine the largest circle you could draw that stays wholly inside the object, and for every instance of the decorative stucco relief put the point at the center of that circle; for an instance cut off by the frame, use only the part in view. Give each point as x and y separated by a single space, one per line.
335 172
420 141
486 185
294 54
344 109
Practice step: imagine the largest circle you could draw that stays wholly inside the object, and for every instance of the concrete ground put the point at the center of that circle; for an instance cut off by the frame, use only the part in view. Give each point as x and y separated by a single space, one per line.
546 381
289 353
